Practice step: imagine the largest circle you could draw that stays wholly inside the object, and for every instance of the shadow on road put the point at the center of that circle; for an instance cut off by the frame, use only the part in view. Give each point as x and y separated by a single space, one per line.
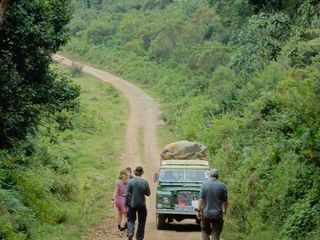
182 227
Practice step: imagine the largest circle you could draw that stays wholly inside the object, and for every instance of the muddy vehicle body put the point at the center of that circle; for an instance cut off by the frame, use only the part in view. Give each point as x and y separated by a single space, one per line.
178 188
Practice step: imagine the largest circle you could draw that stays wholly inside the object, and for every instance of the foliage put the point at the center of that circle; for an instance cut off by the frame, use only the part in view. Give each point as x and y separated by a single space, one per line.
262 40
57 191
76 69
241 77
32 97
82 159
32 31
100 32
210 56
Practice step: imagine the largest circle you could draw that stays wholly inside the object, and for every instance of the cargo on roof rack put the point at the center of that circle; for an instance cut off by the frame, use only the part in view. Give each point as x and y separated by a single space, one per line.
184 150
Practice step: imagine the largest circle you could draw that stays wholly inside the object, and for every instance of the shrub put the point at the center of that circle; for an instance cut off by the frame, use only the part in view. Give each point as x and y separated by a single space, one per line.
211 55
76 69
100 32
161 47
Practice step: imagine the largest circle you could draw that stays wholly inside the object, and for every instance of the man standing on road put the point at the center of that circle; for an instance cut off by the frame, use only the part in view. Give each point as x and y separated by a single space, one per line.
137 189
212 206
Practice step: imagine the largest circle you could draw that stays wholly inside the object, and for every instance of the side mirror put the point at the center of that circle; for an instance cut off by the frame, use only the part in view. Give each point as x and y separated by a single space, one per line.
156 177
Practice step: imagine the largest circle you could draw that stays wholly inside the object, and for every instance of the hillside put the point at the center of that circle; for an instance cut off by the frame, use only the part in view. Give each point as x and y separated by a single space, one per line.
241 77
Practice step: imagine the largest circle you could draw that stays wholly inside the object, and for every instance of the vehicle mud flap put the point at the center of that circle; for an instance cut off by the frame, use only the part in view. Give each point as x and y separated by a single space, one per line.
161 221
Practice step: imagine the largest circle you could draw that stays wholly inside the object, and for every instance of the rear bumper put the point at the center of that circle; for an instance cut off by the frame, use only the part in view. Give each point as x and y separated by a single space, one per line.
174 212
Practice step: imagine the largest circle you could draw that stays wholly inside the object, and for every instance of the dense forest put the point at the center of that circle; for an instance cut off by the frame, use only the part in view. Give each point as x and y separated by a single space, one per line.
241 76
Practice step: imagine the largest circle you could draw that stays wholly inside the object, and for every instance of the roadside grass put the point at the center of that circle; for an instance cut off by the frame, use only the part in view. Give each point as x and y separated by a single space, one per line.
165 136
93 148
77 58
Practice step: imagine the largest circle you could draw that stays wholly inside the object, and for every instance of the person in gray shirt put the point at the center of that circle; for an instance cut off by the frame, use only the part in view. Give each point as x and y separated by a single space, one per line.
212 206
137 189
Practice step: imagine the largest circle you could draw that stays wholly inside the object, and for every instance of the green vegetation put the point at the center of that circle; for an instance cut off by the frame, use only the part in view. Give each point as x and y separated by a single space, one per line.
90 153
64 189
30 35
240 76
34 101
58 151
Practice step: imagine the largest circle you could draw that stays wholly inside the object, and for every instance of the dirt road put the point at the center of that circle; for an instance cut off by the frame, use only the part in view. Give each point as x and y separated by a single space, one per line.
142 123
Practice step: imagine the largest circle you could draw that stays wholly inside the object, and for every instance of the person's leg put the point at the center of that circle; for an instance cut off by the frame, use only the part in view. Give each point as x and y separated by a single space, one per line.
123 223
142 217
117 205
217 226
123 220
119 220
205 228
131 218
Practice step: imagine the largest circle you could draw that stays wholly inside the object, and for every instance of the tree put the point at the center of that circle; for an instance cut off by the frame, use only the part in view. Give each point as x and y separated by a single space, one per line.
4 4
33 31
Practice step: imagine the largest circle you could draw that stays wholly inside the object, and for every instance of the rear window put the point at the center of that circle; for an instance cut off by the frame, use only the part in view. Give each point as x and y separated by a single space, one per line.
183 175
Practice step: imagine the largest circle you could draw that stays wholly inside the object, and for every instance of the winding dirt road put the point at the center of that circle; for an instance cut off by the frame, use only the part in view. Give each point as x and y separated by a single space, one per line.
141 130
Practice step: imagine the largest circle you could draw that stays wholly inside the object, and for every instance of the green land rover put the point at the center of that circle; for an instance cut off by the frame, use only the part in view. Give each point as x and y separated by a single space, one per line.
178 188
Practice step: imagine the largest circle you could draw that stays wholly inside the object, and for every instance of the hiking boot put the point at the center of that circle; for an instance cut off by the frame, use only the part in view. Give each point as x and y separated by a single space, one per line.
130 237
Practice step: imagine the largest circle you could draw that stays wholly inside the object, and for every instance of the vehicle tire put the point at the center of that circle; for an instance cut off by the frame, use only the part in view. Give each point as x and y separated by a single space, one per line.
161 221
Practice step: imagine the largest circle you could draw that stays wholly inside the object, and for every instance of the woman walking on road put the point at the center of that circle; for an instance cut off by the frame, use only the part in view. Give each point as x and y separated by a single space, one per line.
118 200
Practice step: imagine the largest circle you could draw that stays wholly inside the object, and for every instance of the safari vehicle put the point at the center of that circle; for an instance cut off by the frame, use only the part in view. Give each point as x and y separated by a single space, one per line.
178 188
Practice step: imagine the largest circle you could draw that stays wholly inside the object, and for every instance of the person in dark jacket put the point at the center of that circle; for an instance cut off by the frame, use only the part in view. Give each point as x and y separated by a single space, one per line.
137 190
212 206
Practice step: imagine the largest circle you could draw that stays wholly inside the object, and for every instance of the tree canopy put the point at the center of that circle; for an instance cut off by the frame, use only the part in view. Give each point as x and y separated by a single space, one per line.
32 32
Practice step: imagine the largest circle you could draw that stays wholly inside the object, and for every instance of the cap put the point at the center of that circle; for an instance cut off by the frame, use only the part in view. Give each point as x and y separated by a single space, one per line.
139 170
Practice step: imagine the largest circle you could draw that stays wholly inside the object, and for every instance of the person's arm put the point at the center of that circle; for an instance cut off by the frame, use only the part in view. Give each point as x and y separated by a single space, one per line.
114 194
224 207
148 190
200 207
225 202
128 194
201 202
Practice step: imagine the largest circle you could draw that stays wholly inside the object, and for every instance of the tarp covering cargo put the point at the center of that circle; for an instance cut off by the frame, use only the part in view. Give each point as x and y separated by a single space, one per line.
184 150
